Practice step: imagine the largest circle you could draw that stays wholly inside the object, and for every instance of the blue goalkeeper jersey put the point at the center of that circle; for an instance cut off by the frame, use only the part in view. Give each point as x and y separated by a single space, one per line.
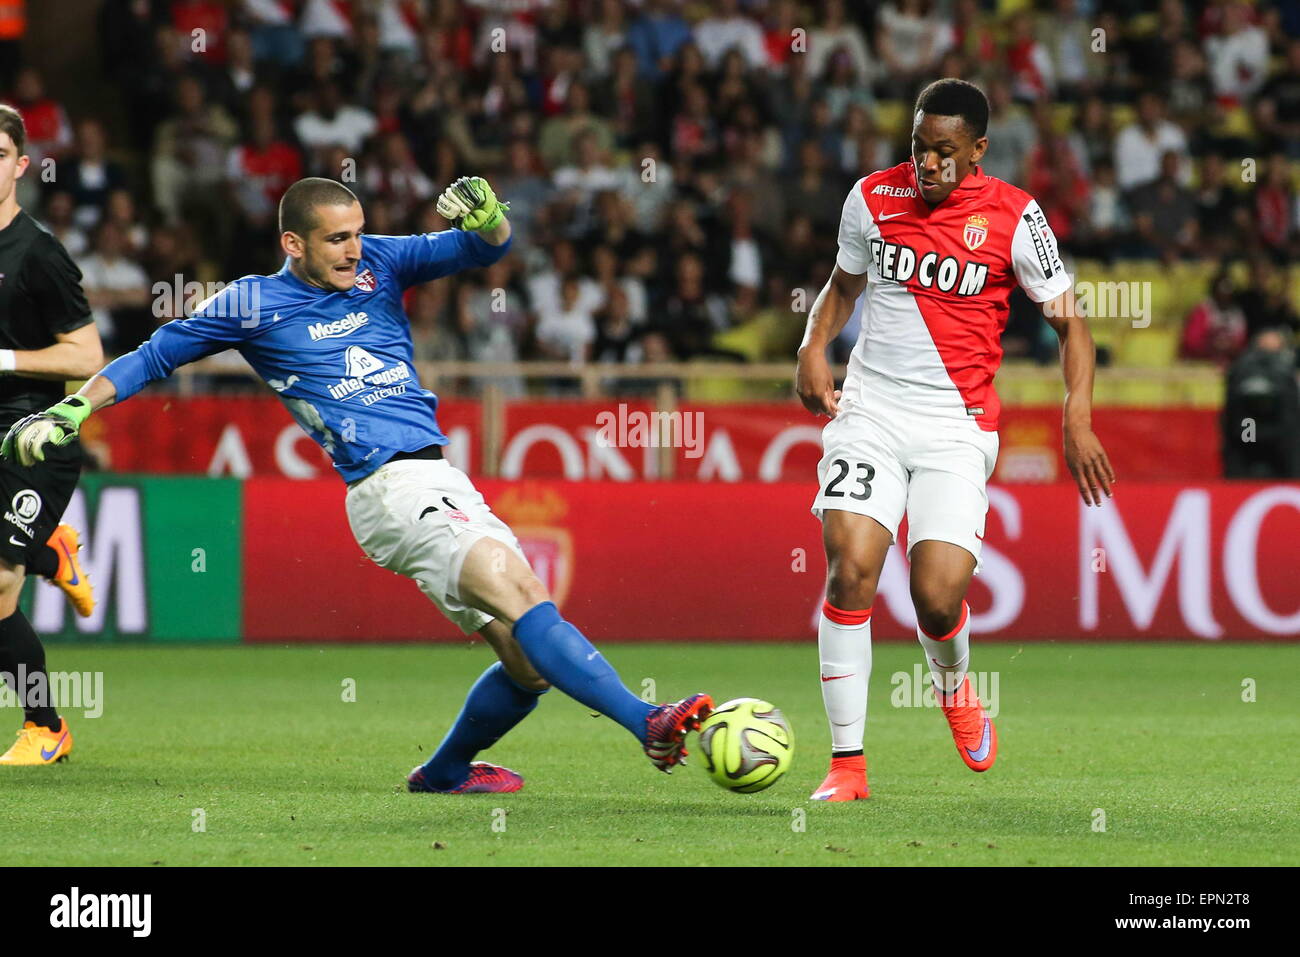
342 362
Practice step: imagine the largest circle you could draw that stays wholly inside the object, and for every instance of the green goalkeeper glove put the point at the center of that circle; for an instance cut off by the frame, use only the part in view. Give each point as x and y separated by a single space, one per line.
469 203
58 425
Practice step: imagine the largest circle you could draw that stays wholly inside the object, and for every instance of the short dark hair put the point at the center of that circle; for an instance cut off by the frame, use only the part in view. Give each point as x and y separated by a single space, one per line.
299 202
11 122
953 97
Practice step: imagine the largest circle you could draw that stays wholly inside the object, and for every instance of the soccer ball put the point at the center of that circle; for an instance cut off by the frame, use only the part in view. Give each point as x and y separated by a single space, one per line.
747 745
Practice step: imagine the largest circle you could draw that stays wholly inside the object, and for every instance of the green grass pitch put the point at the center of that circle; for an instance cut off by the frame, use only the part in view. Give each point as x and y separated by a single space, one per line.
1156 737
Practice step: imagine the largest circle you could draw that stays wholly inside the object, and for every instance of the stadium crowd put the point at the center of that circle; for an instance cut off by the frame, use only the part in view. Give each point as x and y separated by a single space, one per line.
675 169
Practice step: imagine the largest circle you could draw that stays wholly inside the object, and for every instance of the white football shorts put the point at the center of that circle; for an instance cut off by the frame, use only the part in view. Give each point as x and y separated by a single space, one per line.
420 518
882 459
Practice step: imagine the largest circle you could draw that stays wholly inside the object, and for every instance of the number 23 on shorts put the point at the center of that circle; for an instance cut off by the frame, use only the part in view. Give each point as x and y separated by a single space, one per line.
863 474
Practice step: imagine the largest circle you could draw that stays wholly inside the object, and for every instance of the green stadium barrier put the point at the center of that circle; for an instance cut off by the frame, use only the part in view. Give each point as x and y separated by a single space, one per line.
164 554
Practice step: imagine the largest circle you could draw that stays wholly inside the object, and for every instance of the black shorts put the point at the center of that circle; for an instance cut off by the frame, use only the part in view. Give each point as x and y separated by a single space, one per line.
34 499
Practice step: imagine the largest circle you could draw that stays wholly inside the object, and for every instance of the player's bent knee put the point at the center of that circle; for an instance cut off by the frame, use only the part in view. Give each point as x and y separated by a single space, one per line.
851 584
937 614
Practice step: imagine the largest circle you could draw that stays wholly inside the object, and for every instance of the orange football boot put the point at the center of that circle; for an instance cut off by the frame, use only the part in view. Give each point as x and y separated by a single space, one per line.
847 780
37 745
972 729
70 578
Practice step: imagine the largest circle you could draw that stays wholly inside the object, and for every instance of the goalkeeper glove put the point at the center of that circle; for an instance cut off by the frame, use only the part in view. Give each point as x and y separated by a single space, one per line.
469 203
58 425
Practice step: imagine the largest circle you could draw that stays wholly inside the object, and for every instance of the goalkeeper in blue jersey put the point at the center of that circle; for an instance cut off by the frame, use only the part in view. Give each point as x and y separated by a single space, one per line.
328 334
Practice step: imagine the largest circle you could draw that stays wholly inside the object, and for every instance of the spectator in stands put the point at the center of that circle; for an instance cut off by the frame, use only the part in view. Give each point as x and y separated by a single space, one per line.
1274 208
1054 176
492 318
1010 133
1216 329
1140 145
90 175
1190 97
1220 210
58 219
837 38
972 34
1261 412
567 330
190 152
264 165
120 209
49 134
1104 231
691 314
1283 91
910 39
589 174
322 18
1165 214
604 37
274 35
117 290
526 190
1264 300
617 336
843 86
1237 56
557 142
1096 133
206 23
233 83
334 123
1028 62
656 36
628 101
1066 41
728 29
393 175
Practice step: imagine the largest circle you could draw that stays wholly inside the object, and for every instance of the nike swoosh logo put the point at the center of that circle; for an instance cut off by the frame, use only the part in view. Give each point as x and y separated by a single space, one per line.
426 512
835 677
983 751
979 536
46 755
15 541
592 655
76 579
881 219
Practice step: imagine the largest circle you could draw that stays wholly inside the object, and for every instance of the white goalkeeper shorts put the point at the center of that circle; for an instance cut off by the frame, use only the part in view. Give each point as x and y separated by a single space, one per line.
881 459
420 518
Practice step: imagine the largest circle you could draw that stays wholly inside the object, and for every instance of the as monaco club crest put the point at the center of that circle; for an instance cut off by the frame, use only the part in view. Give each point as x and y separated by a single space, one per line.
976 231
366 281
536 516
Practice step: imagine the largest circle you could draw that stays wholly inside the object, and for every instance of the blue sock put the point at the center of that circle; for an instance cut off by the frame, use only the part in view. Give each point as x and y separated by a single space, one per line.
569 661
494 705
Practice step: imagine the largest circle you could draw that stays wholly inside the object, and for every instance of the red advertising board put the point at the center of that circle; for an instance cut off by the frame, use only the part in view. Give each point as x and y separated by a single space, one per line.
618 441
743 561
238 436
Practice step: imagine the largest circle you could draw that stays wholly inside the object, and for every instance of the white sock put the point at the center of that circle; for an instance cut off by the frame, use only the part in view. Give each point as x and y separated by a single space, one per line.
948 656
844 642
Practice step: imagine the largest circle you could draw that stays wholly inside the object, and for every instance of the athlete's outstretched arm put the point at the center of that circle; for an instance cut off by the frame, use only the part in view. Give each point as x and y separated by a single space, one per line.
812 378
174 344
1084 454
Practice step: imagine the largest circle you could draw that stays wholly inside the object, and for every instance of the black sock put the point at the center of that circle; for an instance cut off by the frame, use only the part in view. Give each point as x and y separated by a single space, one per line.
21 653
43 561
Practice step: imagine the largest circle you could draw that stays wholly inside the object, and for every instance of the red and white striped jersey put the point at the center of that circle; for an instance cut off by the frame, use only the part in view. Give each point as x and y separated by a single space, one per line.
938 284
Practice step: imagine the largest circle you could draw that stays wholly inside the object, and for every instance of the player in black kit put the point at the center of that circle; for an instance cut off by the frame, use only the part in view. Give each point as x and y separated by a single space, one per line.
47 337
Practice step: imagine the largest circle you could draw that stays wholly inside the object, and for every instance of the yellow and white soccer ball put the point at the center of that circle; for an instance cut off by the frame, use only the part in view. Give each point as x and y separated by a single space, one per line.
747 745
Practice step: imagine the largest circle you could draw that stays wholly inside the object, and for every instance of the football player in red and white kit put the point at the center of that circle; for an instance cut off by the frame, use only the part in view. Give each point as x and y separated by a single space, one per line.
937 245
